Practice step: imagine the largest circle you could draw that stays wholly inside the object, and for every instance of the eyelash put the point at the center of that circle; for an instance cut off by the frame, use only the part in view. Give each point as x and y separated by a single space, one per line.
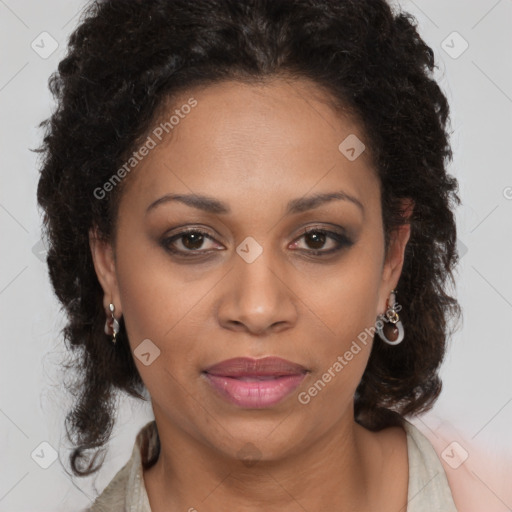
341 239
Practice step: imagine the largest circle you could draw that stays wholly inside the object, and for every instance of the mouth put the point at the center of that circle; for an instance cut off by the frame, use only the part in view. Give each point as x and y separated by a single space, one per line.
255 383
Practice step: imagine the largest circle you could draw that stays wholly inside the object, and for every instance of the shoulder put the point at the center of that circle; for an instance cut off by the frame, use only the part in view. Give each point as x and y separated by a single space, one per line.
126 490
478 479
113 497
409 470
428 488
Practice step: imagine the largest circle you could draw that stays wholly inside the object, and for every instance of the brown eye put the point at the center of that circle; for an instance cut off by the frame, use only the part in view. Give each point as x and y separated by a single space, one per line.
192 240
316 239
189 241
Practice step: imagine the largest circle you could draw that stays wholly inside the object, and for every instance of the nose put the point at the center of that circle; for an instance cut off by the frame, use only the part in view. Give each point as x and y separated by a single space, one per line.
257 297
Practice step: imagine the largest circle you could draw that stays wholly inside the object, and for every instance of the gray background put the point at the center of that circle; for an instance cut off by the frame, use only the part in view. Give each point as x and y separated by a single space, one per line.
476 400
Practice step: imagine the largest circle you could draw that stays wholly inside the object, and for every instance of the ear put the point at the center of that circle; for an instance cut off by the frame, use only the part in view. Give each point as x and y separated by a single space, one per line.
104 265
395 256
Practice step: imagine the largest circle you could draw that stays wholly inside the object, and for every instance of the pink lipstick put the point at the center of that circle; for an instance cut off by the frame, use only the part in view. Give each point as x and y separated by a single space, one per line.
255 383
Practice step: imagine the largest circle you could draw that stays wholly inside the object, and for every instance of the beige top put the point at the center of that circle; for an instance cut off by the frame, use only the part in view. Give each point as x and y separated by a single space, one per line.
428 488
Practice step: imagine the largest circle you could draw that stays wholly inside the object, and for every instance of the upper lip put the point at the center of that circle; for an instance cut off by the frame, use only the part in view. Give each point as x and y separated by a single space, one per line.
248 367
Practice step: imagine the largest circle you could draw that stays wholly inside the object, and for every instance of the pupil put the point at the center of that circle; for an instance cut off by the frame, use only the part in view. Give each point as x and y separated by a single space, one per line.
198 240
318 238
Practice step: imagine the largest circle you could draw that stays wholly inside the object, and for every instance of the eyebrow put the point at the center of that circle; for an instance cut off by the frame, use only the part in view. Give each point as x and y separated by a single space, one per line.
211 205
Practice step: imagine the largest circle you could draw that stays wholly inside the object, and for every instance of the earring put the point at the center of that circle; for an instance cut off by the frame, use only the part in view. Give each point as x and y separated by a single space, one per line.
388 326
112 323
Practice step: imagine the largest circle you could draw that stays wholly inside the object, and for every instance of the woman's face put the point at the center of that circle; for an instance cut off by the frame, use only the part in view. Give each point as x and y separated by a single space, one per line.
254 284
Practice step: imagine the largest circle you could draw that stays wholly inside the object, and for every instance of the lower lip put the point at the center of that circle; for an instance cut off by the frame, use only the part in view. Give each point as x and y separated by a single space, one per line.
255 394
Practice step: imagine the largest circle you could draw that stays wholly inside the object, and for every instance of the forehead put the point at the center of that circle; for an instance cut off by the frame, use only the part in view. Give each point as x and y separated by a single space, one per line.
277 136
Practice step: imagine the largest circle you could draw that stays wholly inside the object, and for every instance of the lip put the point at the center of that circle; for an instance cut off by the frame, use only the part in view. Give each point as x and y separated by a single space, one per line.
255 383
249 367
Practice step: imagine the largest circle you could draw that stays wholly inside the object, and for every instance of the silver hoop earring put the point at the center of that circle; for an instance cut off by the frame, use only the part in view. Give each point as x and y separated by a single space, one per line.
389 327
112 324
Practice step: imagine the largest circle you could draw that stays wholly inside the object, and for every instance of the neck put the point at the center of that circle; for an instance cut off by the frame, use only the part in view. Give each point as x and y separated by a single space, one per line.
336 471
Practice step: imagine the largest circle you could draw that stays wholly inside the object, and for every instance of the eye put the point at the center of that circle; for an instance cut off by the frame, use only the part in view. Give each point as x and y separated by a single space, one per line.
188 241
317 238
191 242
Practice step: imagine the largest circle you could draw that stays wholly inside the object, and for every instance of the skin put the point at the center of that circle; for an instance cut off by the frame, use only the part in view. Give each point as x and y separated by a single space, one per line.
256 147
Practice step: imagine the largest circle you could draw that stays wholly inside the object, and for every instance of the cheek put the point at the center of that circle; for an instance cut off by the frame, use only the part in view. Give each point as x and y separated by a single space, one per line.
345 298
343 305
161 306
343 348
154 296
155 315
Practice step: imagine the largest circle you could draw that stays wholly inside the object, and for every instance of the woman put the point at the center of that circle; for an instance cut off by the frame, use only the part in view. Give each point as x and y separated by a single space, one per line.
250 221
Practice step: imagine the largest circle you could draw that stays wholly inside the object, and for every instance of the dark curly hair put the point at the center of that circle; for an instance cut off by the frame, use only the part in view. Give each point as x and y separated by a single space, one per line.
126 59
